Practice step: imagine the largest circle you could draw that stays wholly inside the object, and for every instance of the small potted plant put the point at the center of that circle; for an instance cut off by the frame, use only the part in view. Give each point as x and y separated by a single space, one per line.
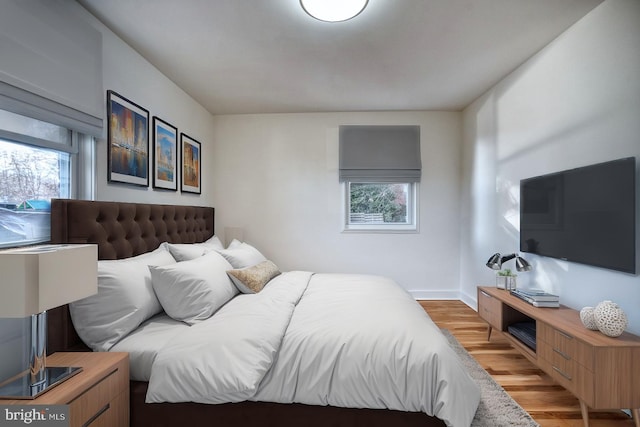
506 279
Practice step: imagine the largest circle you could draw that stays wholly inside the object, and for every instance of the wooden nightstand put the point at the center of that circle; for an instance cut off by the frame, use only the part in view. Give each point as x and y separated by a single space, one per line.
97 396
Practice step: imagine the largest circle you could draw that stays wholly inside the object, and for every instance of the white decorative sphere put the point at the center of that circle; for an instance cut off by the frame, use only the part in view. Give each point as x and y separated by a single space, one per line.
588 319
610 318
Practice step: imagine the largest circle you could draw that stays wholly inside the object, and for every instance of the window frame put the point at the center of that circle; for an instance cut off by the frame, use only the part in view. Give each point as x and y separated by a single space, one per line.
412 210
81 171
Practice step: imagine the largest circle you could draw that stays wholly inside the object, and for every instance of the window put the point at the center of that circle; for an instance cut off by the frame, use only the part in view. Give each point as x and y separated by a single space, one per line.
381 206
38 161
380 167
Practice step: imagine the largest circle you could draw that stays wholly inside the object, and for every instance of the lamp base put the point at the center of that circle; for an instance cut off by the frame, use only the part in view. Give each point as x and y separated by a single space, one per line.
23 388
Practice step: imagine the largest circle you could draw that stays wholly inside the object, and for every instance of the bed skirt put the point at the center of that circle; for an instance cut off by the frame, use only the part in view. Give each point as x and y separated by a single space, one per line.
265 414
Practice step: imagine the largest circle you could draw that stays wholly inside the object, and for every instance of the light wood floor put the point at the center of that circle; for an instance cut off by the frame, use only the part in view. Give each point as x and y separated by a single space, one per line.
548 403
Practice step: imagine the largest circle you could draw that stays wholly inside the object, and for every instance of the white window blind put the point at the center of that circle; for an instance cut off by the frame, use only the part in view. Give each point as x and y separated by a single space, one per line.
380 153
51 66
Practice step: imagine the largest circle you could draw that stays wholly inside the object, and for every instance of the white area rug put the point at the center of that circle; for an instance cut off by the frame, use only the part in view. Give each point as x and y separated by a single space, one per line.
497 408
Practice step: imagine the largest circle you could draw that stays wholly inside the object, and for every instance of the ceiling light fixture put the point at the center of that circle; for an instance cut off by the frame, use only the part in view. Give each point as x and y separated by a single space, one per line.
333 10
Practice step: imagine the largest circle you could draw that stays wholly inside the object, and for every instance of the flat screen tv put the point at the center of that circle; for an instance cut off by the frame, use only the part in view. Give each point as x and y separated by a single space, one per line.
585 215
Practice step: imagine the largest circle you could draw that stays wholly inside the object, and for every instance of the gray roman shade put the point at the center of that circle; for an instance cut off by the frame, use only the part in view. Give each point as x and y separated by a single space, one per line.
380 153
51 67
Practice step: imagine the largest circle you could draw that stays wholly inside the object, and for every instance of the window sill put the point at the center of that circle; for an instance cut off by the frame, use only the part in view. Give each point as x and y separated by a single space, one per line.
380 231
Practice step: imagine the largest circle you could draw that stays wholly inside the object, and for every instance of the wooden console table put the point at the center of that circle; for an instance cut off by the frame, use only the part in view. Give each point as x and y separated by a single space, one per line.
602 372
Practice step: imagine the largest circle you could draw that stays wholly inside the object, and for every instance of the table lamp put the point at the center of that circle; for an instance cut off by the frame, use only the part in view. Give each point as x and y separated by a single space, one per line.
507 280
34 280
496 260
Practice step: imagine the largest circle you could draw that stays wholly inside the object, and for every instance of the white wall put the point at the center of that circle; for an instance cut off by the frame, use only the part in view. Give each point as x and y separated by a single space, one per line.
130 75
575 103
276 176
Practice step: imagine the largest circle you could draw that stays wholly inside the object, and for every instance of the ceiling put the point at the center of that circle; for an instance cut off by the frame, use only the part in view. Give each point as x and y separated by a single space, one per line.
269 56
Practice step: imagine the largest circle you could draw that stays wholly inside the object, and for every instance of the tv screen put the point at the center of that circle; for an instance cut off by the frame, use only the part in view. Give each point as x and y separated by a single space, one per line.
584 215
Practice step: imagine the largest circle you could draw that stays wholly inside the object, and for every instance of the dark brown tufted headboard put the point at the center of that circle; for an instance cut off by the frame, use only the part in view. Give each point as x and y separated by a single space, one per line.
121 230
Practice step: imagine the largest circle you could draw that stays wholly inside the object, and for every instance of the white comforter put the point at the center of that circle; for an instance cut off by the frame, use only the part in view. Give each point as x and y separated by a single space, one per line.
322 339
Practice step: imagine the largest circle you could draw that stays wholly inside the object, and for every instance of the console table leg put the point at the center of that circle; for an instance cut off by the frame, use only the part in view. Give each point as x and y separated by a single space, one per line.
489 333
585 413
636 416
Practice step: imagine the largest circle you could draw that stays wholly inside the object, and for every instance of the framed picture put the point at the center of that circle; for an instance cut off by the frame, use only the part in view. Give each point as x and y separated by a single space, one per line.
128 141
165 155
190 175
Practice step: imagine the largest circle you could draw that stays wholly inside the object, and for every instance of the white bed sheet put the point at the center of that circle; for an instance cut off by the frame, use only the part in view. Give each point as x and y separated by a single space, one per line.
144 343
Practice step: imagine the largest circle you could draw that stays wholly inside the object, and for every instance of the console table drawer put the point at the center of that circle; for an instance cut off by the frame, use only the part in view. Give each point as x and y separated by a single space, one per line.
557 361
566 345
580 383
490 309
567 372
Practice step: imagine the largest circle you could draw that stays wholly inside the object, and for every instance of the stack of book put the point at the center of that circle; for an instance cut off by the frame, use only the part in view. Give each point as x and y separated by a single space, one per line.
537 297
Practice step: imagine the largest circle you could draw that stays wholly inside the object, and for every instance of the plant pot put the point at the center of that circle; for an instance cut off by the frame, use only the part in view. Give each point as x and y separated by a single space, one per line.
506 282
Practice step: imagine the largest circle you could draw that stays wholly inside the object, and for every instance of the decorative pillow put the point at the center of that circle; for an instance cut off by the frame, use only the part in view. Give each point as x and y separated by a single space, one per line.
191 291
187 251
124 300
242 255
251 280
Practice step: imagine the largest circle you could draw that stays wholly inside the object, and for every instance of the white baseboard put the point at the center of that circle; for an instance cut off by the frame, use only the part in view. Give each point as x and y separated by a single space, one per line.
429 295
470 300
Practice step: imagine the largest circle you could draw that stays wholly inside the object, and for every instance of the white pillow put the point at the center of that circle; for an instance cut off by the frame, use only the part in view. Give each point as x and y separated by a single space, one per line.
242 255
191 291
158 256
124 300
187 251
213 243
234 244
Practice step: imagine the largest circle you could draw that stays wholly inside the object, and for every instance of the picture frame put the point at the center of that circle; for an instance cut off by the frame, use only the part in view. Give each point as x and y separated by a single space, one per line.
128 141
165 155
190 166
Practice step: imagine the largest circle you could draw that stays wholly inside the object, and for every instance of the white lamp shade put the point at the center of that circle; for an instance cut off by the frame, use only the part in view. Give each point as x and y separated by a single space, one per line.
40 278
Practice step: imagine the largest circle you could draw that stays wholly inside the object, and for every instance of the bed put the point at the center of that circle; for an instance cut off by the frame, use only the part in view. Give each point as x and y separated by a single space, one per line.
285 387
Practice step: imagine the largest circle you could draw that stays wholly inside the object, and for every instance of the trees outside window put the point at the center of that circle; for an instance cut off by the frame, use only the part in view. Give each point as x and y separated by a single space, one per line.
381 206
380 202
29 178
30 173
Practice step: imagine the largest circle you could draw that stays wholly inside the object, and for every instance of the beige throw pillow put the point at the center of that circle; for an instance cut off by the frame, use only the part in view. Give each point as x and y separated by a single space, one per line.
251 280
